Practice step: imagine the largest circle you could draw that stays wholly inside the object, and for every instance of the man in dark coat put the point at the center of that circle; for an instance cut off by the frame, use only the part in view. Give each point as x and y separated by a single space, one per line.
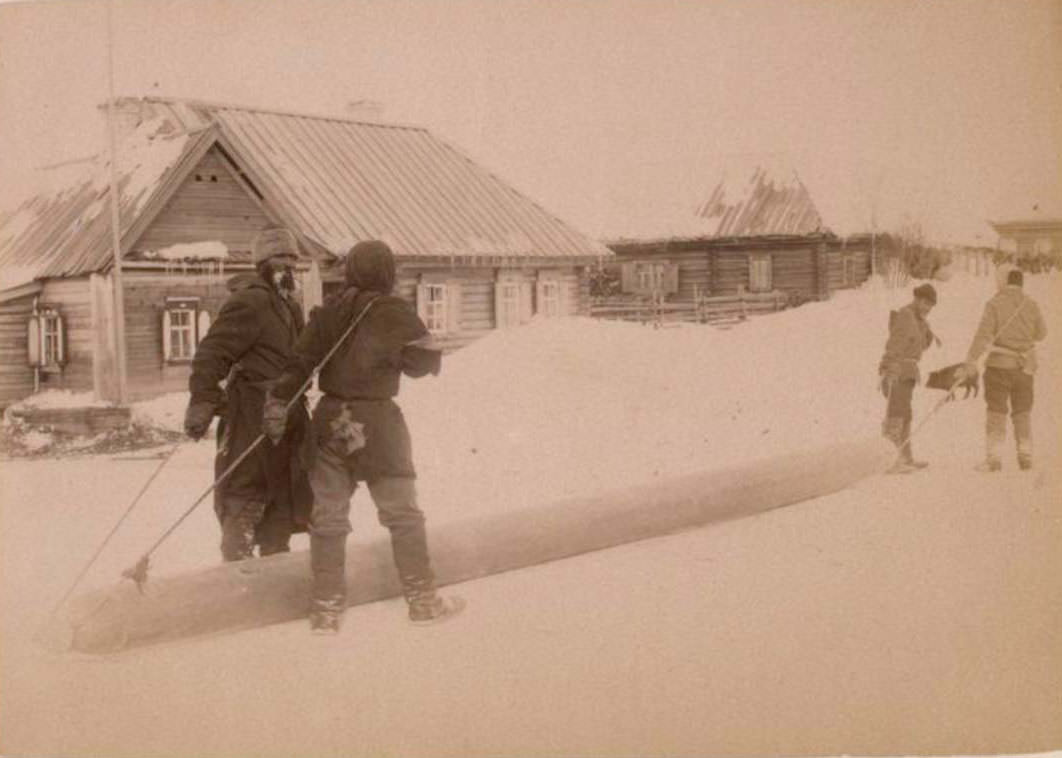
909 336
360 434
268 496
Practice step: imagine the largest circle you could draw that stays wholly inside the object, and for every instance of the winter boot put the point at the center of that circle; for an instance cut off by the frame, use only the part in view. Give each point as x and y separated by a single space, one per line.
328 598
1023 438
892 430
905 451
273 533
995 436
425 604
237 529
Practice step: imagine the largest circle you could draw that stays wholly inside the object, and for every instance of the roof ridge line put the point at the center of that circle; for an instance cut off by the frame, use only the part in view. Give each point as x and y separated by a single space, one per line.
216 105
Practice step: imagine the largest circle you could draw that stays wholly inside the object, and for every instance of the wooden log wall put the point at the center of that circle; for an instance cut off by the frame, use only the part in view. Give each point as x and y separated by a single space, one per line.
148 374
721 266
477 293
694 274
73 298
16 377
209 205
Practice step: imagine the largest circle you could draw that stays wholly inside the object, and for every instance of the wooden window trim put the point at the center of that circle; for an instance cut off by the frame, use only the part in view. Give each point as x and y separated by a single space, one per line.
185 304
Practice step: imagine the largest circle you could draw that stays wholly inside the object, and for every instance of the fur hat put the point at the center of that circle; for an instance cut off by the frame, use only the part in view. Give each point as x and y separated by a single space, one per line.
926 292
272 241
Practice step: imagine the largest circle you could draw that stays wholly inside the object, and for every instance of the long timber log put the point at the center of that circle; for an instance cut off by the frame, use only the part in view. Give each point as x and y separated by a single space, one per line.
270 590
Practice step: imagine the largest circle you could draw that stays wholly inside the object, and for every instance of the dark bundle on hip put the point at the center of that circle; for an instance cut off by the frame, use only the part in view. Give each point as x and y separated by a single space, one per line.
947 377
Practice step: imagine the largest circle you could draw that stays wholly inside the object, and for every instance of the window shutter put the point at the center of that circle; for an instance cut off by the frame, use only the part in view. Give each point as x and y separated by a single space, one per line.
422 301
453 307
33 341
60 340
629 277
525 302
202 325
166 350
568 306
671 278
499 313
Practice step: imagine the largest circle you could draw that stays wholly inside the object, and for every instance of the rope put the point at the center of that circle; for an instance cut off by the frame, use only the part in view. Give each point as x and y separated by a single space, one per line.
138 572
114 529
951 392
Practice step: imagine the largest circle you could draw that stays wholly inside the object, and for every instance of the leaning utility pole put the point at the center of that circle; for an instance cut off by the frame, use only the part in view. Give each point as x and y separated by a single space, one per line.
116 235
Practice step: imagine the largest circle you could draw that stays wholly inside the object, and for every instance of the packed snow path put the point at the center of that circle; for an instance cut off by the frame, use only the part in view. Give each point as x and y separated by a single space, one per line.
907 615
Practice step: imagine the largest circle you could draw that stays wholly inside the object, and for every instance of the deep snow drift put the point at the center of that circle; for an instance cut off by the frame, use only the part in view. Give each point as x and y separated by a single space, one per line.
913 607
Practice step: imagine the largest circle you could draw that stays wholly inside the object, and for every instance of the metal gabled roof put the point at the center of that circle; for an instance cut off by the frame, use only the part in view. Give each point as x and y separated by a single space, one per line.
67 231
760 199
339 181
334 181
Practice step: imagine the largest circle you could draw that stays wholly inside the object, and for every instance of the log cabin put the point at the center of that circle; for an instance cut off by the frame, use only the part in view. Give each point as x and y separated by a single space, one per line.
758 232
197 180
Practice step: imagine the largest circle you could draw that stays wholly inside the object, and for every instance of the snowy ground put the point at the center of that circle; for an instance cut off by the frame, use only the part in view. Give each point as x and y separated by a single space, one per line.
906 615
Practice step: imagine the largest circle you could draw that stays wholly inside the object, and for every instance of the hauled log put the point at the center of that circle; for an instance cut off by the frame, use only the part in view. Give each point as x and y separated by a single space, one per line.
269 590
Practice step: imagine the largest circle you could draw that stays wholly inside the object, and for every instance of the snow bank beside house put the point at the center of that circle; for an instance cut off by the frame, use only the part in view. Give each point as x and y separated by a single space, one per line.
163 412
61 399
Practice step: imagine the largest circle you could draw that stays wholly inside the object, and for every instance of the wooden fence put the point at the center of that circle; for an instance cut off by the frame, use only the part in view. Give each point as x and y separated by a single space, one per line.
722 310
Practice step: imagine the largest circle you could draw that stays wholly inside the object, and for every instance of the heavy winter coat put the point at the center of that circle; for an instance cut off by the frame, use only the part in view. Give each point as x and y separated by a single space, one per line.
1022 324
362 377
247 346
909 336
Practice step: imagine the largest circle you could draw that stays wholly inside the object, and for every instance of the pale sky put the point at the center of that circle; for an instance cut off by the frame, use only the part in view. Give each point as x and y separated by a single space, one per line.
612 115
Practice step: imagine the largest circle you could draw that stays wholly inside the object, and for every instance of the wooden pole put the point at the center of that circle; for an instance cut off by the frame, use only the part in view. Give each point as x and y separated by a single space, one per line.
116 236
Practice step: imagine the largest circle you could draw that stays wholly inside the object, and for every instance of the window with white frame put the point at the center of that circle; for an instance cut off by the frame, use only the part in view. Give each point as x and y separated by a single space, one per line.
650 277
549 298
46 342
439 304
760 273
184 324
51 338
848 270
508 303
435 310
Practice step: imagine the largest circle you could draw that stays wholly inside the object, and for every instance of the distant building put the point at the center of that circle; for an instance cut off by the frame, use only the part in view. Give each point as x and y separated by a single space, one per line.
759 231
1030 238
198 180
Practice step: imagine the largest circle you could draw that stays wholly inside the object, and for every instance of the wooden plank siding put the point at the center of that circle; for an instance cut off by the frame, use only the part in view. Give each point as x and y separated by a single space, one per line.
810 267
147 373
16 376
209 205
73 298
477 317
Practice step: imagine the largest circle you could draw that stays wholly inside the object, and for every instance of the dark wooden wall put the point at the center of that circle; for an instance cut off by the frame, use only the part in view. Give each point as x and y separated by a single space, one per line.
810 266
211 207
72 296
477 317
16 378
147 373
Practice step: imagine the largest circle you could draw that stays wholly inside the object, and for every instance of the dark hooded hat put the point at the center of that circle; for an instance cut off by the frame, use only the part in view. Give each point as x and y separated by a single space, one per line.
370 265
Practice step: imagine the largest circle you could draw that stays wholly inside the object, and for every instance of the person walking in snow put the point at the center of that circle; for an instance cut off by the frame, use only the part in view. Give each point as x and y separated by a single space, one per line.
359 433
1010 327
268 496
909 336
